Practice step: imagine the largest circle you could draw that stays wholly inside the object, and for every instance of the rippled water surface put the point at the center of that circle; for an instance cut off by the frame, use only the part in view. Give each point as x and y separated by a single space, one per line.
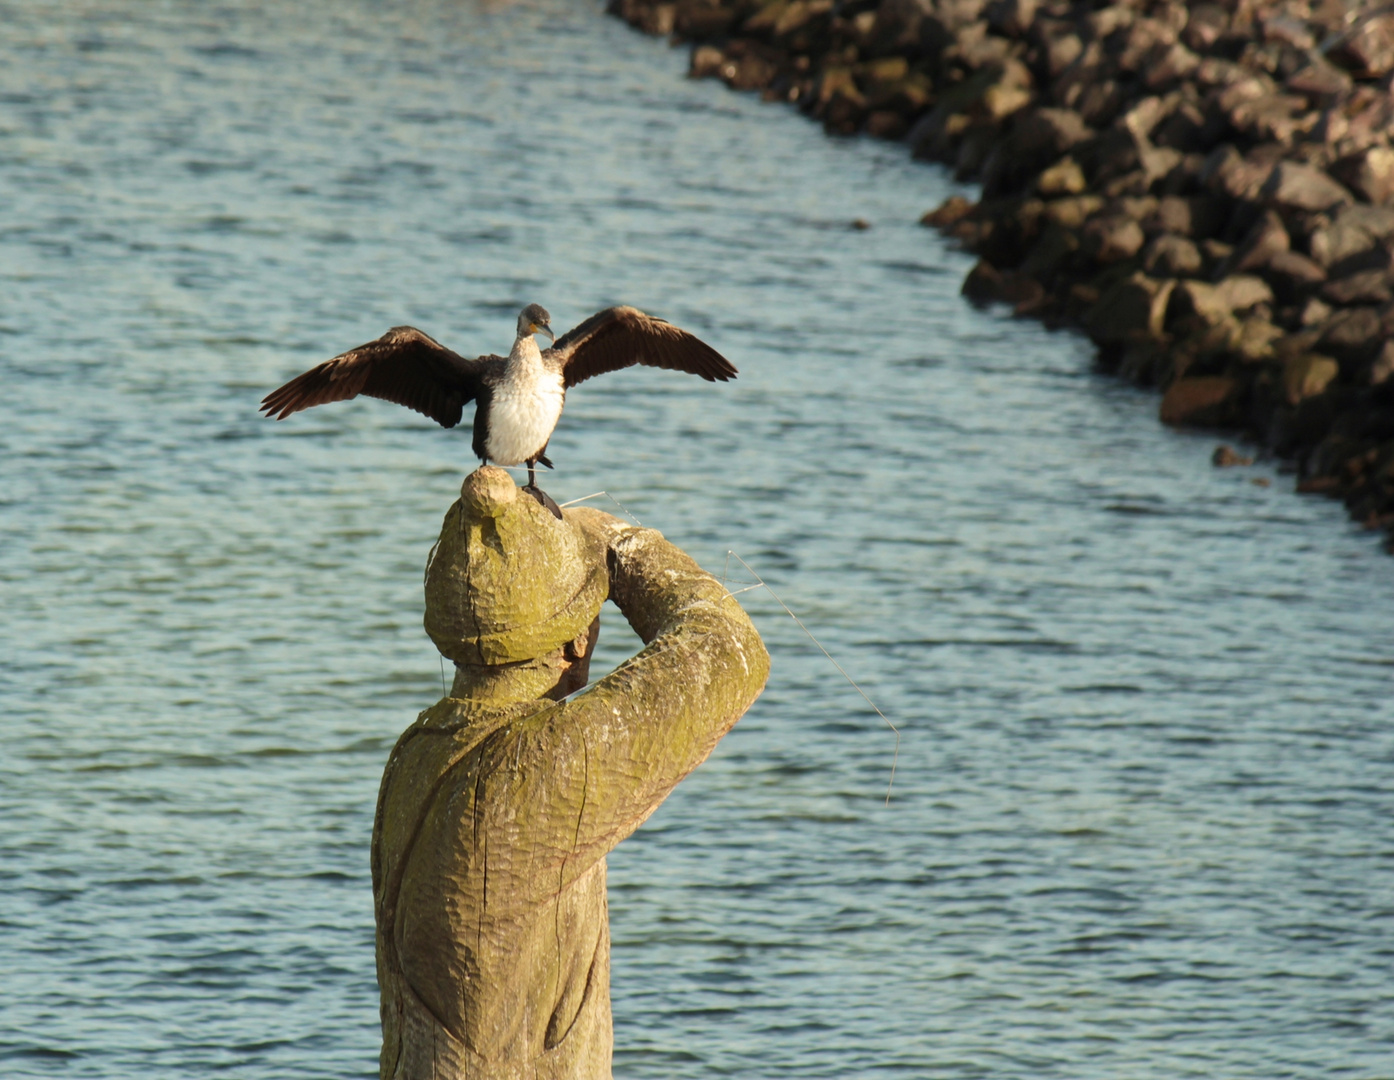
1142 823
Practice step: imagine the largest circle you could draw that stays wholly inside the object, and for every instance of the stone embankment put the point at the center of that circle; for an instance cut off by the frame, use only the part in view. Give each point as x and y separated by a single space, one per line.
1206 189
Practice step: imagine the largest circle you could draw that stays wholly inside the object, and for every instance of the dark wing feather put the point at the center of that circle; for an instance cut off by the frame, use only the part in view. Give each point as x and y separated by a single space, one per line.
619 337
403 366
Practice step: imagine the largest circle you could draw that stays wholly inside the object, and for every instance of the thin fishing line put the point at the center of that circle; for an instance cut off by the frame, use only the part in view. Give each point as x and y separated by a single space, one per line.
596 495
789 611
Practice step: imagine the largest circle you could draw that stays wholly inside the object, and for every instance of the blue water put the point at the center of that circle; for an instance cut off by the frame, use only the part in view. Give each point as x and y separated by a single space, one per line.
1142 820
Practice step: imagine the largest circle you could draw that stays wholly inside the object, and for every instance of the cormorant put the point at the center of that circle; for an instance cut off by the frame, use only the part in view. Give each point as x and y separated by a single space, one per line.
519 396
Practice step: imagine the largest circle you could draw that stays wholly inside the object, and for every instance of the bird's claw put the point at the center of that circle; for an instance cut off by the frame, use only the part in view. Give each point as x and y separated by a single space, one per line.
545 499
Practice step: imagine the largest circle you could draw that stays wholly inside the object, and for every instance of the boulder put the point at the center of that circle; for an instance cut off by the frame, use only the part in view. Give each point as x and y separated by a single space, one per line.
1257 340
1383 366
1074 211
1111 238
1226 457
950 212
1265 239
1369 173
1361 287
1206 400
1227 172
1183 129
1367 50
1307 375
1243 292
1354 336
1355 231
1171 256
1319 82
1060 52
1293 276
707 62
1065 177
1196 216
1055 246
1294 186
1195 301
1010 18
1205 25
1134 307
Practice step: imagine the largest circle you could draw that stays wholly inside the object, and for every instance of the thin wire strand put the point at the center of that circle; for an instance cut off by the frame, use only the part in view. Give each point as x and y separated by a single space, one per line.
895 758
596 495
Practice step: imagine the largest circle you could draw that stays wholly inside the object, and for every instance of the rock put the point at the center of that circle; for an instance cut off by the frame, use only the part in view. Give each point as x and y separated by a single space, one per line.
1293 276
1307 376
1203 401
1367 51
699 21
1242 292
885 124
1369 173
1197 301
1288 31
1111 238
1383 366
1264 240
1055 246
1074 211
1362 287
1171 256
707 62
1225 457
1355 231
1256 341
1168 65
1132 308
1204 26
1065 177
1319 82
1011 18
1314 312
1062 51
1227 172
1294 186
1183 129
1274 117
950 212
1353 336
1197 216
983 283
933 136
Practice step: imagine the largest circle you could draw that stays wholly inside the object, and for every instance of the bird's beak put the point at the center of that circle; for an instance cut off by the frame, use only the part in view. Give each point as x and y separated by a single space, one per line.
544 328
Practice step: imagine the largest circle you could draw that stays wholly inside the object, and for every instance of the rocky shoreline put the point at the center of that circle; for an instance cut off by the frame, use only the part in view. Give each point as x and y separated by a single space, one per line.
1205 189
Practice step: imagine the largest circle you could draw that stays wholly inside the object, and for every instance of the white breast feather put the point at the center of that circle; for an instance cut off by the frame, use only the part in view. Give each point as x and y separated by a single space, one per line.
522 415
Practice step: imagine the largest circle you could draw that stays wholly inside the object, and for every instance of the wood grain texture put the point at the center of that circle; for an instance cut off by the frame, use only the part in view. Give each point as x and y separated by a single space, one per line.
498 807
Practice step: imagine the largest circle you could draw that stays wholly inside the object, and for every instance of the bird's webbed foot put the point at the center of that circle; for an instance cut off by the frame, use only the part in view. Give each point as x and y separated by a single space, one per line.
545 499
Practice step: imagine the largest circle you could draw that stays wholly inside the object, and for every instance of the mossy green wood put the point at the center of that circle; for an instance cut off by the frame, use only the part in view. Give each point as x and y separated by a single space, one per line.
498 807
507 580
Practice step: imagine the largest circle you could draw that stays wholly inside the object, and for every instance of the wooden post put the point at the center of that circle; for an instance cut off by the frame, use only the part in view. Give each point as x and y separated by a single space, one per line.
499 805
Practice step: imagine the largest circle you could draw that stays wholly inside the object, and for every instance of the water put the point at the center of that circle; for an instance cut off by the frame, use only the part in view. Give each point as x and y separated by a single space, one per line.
1142 818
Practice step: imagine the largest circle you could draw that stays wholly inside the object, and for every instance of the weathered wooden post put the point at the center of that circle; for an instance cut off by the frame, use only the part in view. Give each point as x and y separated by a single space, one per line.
499 804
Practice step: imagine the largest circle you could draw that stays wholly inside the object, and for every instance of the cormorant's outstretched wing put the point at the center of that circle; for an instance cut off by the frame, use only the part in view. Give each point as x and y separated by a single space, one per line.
621 336
403 366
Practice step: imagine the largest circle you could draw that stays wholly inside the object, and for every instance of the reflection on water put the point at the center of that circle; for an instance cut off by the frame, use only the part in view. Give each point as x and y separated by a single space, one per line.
1142 814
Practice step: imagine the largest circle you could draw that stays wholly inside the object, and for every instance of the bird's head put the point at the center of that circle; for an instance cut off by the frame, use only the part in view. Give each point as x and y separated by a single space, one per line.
534 319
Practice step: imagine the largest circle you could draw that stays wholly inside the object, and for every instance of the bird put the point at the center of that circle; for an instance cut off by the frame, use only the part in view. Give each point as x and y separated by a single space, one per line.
519 397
